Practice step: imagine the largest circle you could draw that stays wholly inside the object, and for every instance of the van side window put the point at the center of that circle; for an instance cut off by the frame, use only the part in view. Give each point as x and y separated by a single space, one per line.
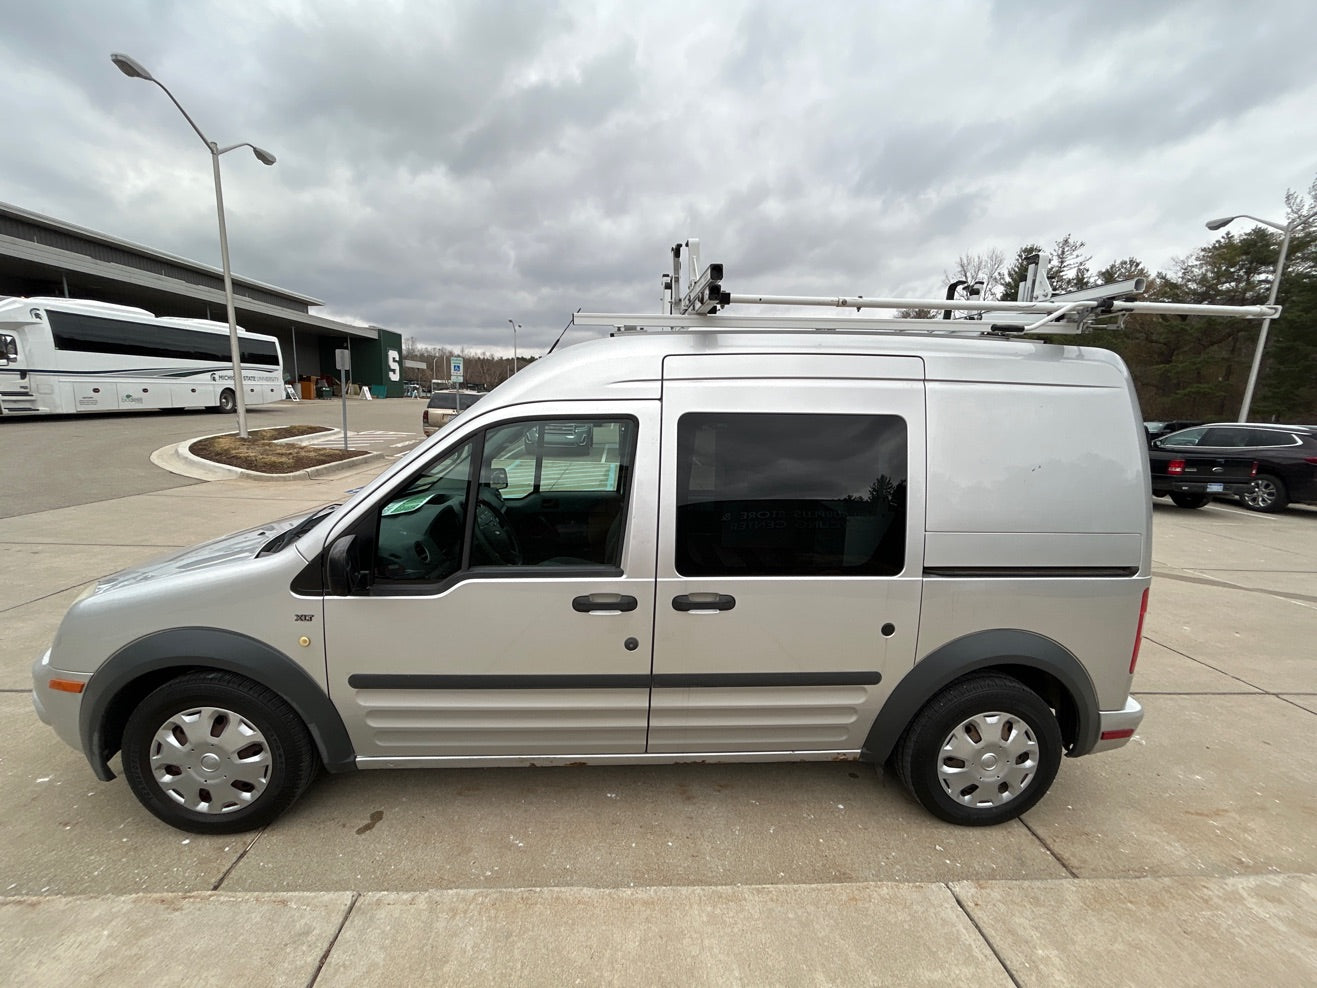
791 494
421 527
548 493
559 488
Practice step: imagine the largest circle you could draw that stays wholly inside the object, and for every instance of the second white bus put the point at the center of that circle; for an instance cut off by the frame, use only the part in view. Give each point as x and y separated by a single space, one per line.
61 356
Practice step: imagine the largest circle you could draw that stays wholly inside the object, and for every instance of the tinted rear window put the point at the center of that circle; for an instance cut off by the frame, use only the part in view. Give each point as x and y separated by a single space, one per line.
791 494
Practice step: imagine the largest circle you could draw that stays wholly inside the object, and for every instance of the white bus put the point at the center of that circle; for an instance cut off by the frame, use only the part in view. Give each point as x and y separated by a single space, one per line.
59 356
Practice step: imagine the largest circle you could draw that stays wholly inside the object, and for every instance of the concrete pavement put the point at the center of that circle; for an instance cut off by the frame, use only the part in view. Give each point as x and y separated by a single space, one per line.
1189 857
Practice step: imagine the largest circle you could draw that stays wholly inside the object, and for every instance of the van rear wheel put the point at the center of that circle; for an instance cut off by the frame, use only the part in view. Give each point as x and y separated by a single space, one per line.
214 753
981 752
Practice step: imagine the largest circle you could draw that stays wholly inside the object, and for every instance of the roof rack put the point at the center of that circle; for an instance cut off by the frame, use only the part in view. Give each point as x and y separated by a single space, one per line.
1038 310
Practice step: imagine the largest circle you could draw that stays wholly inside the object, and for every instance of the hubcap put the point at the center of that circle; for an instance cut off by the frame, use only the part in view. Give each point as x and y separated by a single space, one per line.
1260 495
988 760
210 760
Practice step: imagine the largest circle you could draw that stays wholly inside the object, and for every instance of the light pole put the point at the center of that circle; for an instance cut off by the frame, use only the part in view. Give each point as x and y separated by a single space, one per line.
514 346
135 70
1286 231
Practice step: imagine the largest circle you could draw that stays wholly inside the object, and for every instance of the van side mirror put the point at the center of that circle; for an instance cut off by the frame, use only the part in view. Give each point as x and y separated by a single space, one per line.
345 573
498 478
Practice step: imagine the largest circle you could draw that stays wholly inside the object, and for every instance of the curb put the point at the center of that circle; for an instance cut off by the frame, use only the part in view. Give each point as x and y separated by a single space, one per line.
178 459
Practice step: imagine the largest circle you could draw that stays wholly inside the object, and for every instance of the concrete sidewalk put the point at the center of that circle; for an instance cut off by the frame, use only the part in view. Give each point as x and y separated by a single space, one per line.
1165 931
1187 858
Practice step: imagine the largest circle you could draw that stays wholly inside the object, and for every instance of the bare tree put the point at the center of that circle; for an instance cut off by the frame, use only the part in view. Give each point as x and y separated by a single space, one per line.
988 267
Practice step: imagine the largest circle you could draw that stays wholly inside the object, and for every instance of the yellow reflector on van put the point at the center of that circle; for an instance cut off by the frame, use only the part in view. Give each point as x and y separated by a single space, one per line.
66 685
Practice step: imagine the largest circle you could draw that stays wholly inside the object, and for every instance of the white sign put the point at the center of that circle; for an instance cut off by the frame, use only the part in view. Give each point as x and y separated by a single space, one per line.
343 359
455 369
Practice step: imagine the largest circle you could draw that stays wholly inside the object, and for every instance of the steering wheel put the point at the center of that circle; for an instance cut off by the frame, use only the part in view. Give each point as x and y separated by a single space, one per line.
438 550
494 535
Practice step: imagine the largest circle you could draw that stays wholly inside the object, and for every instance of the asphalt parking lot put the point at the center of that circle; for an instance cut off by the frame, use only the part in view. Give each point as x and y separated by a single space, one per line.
1188 857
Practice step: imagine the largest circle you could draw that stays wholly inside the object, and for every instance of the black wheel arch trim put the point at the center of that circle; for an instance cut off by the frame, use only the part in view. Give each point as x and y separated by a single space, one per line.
199 649
995 650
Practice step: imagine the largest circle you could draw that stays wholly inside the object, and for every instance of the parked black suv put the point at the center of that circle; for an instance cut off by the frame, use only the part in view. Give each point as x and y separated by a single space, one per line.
1286 456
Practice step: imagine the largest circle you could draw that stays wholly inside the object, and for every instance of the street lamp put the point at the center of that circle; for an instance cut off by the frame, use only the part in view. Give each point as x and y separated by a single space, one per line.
1286 231
134 70
514 346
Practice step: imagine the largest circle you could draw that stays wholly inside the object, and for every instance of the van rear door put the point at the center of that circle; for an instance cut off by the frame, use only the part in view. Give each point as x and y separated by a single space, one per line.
791 549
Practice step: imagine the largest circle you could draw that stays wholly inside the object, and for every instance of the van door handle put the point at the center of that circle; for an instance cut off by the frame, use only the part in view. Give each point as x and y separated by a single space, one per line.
703 602
615 602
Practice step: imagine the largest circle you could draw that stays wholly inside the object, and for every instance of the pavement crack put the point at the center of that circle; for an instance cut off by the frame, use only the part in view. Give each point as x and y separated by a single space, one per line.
1207 581
1048 848
1208 665
1293 703
333 941
983 934
236 861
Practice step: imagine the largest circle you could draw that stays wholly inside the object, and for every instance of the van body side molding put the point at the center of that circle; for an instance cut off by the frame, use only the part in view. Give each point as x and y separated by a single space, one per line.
190 649
685 680
424 681
999 649
677 680
1018 572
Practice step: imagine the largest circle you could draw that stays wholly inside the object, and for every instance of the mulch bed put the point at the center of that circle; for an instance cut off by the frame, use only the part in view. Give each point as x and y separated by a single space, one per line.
260 452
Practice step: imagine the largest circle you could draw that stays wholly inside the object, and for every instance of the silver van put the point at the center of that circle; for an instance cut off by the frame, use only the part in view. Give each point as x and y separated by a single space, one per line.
922 550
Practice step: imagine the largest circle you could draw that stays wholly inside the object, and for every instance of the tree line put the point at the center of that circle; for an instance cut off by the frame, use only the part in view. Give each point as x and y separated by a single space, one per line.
1196 367
481 370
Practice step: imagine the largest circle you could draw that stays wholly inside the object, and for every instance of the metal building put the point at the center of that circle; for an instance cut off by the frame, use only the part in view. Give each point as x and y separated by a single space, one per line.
40 255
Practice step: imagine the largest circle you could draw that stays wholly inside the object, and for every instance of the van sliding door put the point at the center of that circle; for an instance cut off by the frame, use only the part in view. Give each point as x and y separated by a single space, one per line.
791 549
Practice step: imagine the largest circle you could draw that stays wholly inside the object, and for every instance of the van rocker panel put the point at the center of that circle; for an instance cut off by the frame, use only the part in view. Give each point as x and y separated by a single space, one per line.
997 649
187 649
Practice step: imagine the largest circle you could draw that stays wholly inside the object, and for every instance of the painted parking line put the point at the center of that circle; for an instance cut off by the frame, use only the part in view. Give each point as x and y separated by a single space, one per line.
368 439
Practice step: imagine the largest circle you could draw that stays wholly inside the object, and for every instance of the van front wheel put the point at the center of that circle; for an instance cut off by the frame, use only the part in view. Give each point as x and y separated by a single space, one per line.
981 752
214 753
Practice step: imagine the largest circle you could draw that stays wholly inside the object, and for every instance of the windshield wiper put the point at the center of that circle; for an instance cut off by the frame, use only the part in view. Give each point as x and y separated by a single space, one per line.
285 539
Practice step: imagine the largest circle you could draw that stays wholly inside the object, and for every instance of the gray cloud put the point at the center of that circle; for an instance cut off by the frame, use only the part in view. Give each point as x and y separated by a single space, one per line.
446 166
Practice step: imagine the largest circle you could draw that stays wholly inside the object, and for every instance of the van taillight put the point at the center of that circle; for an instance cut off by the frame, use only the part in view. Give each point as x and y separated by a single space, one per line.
1175 466
1138 634
1254 471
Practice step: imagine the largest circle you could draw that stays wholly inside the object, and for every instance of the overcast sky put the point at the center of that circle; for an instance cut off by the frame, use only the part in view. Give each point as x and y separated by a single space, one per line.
444 167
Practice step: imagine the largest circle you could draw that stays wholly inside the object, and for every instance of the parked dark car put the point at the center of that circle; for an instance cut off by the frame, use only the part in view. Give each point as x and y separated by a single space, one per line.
1286 456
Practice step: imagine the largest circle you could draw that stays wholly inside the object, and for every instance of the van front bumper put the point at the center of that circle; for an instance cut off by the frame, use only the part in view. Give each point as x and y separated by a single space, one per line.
58 708
1116 727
